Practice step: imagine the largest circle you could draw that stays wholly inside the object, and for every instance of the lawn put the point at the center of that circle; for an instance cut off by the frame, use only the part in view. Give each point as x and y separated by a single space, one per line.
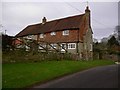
20 75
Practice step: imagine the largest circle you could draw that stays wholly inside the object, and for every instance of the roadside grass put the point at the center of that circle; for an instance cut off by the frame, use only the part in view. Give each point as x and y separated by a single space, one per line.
20 75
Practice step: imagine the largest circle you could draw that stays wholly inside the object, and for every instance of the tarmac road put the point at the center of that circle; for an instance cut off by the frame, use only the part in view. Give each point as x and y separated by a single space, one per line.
99 77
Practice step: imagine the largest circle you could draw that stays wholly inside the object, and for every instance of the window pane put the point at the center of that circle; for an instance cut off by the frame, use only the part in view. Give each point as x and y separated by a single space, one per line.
72 46
66 32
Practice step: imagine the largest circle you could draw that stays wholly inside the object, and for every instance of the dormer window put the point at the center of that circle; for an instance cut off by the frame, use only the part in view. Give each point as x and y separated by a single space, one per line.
53 33
41 35
66 32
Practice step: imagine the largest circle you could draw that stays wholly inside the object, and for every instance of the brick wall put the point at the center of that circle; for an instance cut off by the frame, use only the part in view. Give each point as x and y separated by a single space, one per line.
59 37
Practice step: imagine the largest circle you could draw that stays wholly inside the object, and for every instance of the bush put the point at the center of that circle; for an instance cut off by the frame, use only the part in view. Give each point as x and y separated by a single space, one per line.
24 56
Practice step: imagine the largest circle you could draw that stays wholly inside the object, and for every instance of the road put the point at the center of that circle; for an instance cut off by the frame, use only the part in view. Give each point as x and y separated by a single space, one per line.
99 77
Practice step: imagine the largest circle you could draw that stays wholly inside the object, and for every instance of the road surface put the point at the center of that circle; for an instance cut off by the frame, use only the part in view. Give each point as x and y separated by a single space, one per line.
99 77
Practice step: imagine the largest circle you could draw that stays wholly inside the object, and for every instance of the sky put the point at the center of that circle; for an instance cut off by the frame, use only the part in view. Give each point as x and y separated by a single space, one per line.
17 14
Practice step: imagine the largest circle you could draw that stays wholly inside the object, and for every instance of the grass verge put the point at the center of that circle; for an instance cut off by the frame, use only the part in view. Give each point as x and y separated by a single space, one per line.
20 75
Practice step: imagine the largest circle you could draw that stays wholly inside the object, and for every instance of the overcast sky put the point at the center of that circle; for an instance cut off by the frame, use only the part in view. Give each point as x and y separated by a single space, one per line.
17 15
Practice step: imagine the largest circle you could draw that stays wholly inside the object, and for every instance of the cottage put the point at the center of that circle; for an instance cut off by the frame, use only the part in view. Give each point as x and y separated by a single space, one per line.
67 35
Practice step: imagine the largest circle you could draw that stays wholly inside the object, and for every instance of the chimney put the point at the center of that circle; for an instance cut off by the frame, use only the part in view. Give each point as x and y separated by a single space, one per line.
87 13
87 10
44 20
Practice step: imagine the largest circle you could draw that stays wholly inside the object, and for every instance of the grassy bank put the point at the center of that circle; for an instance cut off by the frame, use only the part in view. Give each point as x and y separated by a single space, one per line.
18 75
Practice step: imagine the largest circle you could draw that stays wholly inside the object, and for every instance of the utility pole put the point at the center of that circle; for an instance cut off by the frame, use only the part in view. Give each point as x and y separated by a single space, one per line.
5 32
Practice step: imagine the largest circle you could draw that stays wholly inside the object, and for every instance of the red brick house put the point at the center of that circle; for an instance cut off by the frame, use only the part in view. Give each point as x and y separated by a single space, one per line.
71 35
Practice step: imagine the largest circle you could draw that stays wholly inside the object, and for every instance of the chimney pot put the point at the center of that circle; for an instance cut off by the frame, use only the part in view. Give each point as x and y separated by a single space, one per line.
87 9
44 20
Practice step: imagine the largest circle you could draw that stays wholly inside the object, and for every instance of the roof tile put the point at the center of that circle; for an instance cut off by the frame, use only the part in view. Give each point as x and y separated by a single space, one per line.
72 22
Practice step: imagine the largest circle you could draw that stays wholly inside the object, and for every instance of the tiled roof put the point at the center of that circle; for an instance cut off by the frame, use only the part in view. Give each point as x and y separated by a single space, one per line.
73 22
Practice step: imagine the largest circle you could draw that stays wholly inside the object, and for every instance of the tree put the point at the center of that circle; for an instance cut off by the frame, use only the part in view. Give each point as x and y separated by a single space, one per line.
112 45
7 42
112 41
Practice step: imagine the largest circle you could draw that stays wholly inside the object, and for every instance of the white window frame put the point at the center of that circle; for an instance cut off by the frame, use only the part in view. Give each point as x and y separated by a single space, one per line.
70 46
41 35
65 32
91 47
53 33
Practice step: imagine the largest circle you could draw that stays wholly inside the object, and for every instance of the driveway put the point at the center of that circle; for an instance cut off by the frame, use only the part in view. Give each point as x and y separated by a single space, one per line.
99 77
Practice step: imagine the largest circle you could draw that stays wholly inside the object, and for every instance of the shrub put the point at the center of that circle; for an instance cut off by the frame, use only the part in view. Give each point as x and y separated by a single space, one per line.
24 56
